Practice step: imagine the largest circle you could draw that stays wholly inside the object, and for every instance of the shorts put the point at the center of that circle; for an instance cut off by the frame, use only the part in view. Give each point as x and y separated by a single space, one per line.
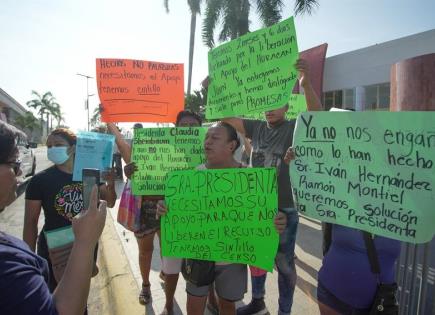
171 265
231 283
149 224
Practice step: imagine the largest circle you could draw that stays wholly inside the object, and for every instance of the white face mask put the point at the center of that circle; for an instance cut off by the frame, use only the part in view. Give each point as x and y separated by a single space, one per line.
58 155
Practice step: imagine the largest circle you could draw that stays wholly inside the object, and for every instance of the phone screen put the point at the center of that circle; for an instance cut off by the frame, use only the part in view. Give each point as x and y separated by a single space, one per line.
90 178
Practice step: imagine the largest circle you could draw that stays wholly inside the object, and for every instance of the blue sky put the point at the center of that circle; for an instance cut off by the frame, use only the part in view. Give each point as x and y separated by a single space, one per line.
44 43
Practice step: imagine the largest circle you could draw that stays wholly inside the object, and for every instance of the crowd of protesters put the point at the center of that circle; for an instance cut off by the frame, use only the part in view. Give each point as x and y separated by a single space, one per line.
346 284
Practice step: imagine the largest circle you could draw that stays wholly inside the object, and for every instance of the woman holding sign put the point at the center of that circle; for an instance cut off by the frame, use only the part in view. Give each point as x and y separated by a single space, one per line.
357 273
150 226
230 280
54 191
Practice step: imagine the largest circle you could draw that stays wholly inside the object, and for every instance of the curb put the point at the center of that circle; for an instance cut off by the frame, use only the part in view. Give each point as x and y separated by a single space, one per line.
119 290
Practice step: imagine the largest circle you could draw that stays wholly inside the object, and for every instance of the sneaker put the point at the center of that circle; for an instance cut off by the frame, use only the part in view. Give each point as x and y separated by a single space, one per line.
145 294
255 307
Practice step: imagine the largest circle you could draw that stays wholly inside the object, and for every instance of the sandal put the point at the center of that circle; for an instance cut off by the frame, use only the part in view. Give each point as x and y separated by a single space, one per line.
145 294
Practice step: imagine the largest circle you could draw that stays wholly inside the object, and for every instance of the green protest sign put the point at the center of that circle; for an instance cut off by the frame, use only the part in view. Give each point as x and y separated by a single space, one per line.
253 73
222 215
373 171
296 105
157 151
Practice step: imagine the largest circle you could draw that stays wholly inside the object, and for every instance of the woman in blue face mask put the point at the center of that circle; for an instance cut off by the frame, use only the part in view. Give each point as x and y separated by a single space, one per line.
54 191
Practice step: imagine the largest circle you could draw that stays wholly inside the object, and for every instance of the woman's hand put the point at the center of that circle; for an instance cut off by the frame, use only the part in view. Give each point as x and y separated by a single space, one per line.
89 224
304 72
129 169
161 208
280 222
289 155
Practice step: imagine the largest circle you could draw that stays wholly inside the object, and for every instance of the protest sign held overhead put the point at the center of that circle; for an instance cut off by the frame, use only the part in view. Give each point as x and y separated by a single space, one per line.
137 90
373 171
222 215
296 105
253 73
93 150
157 151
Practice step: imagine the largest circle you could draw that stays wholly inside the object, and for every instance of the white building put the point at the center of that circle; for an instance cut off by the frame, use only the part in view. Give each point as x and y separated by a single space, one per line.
360 79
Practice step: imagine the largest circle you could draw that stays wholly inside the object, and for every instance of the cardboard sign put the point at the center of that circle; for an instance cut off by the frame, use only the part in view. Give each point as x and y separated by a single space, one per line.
222 215
373 171
93 150
253 73
157 151
140 91
296 105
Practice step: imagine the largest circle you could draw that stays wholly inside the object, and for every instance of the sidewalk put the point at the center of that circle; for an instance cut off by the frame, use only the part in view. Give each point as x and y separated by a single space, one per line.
308 251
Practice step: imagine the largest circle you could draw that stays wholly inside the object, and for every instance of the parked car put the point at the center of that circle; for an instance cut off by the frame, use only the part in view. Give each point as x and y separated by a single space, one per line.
27 157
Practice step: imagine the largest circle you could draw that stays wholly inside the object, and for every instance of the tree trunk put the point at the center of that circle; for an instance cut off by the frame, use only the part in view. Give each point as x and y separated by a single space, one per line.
191 49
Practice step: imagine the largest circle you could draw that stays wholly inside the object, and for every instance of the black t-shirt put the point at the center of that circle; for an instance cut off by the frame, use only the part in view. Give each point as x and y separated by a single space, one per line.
61 198
269 146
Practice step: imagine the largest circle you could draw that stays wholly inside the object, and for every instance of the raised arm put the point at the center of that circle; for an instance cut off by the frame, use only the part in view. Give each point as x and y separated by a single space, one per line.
313 101
31 217
237 123
123 146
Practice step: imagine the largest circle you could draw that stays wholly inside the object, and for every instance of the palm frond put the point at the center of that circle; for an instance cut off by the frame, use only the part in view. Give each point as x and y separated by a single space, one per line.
212 14
305 6
269 11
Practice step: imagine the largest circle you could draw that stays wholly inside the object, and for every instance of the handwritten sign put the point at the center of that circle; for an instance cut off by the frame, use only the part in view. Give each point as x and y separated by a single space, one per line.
253 73
222 215
157 151
137 90
93 150
296 105
374 171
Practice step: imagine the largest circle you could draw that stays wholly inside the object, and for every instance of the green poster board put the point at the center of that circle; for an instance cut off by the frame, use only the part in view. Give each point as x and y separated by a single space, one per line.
157 151
374 171
296 105
253 73
222 215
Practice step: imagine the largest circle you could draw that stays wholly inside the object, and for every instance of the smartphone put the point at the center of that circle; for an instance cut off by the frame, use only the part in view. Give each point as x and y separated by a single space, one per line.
90 177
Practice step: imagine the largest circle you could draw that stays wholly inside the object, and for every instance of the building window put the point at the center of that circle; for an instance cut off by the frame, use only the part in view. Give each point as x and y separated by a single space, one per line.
349 99
333 99
377 96
384 95
328 100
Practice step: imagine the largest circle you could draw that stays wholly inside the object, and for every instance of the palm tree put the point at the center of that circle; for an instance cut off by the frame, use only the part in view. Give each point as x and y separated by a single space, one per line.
96 117
45 104
195 8
28 121
234 16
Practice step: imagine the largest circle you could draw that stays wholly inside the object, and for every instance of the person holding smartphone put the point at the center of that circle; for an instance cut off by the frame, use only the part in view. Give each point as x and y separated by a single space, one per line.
54 191
23 274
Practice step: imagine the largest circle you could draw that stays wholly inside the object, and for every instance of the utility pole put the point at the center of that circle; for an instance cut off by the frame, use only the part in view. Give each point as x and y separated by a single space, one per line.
87 93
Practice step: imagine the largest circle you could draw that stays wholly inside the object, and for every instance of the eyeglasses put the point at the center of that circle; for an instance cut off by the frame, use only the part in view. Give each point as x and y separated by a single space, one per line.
16 165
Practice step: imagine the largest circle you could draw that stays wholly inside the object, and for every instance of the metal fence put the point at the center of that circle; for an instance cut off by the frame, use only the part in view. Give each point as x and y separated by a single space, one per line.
416 279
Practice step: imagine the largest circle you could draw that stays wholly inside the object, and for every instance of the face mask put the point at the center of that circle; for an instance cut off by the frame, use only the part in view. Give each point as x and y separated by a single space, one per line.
57 155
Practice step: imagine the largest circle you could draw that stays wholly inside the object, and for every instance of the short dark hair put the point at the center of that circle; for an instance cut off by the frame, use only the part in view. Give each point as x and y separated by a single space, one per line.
66 134
9 137
137 126
188 113
231 131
